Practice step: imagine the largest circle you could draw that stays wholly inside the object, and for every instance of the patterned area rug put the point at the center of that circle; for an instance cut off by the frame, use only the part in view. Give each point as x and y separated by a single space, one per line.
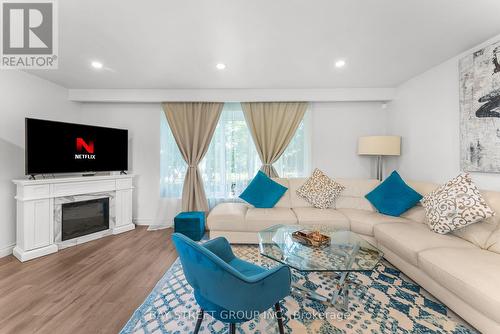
382 301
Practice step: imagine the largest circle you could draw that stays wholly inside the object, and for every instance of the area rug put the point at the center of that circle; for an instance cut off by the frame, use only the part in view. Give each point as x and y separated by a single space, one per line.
381 301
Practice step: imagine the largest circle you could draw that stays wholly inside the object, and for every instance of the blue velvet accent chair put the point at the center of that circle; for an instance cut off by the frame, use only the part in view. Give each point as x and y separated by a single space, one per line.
228 288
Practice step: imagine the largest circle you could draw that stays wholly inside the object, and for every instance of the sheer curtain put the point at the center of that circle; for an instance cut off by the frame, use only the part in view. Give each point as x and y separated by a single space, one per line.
230 162
172 165
172 172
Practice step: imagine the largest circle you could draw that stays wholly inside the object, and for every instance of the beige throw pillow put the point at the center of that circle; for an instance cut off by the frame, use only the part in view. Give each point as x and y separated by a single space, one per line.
454 205
319 190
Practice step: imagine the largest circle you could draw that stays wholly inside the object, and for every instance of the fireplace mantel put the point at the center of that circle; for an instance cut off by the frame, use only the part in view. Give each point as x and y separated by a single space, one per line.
36 209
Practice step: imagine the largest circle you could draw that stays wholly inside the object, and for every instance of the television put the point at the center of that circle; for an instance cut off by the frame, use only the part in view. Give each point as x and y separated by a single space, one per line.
57 147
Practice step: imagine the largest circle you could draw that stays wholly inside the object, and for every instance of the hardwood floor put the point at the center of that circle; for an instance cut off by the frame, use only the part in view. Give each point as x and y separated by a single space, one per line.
90 288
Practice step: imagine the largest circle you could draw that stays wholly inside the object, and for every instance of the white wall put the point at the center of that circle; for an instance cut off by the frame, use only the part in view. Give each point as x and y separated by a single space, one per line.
23 95
336 128
426 113
143 122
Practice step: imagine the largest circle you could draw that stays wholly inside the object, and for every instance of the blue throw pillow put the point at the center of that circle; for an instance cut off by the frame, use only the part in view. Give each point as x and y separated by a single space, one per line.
393 196
262 192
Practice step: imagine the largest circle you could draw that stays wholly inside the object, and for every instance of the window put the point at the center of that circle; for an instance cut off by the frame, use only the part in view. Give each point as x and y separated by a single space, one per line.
231 160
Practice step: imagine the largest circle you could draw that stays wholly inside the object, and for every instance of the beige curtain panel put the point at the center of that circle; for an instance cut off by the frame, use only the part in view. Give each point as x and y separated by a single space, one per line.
273 125
193 125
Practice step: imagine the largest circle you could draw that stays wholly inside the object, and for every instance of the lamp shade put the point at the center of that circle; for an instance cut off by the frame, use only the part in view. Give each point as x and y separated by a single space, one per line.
379 145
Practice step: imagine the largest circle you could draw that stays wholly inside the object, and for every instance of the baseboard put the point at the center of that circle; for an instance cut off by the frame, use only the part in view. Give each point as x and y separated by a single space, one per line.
121 229
159 227
6 251
143 221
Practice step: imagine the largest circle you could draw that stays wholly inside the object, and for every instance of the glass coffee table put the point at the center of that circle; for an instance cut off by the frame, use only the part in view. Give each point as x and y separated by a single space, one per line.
347 252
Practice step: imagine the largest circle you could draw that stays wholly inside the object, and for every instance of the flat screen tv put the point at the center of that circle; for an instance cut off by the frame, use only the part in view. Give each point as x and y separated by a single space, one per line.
57 147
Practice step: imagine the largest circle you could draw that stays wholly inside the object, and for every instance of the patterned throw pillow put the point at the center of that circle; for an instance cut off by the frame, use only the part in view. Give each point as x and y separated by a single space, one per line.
454 205
319 190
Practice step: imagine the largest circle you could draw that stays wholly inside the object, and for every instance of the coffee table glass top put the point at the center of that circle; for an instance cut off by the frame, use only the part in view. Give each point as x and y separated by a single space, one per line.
347 251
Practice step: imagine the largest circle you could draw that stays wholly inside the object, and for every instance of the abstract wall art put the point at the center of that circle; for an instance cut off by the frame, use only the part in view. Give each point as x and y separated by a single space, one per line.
480 110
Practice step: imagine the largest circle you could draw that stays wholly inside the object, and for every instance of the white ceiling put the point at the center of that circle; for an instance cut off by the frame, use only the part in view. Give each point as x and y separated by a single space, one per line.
265 43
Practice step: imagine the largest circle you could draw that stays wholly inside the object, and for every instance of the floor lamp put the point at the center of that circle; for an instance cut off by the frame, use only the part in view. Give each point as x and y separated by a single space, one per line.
379 146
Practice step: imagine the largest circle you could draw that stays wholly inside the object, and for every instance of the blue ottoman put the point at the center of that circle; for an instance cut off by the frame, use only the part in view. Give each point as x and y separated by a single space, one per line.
191 224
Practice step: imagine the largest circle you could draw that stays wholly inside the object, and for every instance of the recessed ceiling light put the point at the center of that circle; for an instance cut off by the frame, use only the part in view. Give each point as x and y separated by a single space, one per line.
97 65
220 66
340 63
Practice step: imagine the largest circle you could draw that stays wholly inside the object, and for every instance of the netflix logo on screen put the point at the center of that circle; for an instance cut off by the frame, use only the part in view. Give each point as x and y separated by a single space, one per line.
85 149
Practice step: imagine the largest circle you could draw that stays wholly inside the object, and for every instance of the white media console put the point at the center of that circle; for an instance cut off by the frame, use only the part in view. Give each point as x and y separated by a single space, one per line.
39 210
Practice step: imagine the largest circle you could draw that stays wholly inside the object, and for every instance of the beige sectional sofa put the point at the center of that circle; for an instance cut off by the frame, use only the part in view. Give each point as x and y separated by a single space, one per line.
461 269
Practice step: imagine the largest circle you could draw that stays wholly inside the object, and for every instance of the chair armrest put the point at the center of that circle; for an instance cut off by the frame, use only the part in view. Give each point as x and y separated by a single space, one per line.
220 247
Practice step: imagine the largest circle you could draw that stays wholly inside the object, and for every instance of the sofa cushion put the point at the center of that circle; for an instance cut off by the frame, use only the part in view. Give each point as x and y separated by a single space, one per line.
353 196
478 233
295 200
346 202
227 217
320 190
393 196
416 214
284 201
409 238
423 188
357 187
471 274
313 216
454 205
493 243
363 221
262 192
258 219
482 234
